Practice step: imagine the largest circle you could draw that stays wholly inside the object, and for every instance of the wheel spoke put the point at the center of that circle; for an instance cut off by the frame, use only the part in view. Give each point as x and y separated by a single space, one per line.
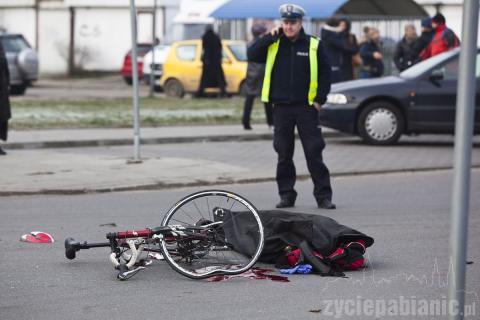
210 254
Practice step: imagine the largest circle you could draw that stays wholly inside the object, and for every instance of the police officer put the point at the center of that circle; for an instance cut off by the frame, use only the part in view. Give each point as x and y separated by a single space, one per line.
297 81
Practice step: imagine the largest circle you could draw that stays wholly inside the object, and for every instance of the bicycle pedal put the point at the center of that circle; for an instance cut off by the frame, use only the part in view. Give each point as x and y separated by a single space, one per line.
145 262
125 275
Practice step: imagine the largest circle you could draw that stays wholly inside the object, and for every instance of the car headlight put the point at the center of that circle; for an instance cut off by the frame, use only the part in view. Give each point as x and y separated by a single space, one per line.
337 98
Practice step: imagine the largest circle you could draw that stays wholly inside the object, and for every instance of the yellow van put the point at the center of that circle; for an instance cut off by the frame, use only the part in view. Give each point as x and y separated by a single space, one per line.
182 69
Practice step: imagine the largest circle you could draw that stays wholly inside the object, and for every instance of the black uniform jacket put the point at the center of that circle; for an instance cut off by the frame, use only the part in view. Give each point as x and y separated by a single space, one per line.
290 78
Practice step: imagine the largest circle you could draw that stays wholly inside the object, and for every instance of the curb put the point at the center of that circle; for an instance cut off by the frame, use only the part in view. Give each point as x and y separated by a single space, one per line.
165 186
147 141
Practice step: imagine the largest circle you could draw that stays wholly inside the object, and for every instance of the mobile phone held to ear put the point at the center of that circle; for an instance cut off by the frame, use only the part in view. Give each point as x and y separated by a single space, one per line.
278 33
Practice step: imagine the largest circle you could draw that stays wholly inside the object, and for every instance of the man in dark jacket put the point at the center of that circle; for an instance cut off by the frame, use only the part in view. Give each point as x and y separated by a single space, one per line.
296 82
371 56
5 113
425 38
404 56
212 72
253 83
338 48
352 49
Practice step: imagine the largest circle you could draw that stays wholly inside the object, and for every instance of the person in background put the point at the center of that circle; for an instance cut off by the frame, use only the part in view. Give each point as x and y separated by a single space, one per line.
212 72
5 112
364 37
350 57
253 82
339 50
404 55
371 56
425 38
333 44
444 39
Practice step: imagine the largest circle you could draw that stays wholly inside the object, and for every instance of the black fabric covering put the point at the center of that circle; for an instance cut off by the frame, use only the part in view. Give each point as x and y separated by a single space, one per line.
283 228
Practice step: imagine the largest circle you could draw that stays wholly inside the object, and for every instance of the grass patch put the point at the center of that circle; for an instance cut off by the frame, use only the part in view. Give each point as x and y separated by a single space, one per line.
118 113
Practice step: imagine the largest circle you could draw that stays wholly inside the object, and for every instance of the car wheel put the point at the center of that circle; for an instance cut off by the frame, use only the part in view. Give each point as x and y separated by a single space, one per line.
380 123
128 80
173 88
18 89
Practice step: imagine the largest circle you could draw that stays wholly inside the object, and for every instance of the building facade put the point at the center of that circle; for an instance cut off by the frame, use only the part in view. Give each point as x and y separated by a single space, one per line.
94 35
84 34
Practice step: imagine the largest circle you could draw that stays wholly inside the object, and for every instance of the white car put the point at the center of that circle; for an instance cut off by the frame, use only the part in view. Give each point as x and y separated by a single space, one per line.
161 53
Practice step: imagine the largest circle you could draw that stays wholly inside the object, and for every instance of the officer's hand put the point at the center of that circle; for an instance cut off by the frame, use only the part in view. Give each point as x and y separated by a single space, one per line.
275 31
377 55
317 105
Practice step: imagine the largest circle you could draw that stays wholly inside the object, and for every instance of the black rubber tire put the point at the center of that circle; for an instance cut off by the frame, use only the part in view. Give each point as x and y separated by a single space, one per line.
182 206
380 123
174 88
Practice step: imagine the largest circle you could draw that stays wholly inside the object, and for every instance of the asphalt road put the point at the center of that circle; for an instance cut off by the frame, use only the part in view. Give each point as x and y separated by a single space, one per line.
407 214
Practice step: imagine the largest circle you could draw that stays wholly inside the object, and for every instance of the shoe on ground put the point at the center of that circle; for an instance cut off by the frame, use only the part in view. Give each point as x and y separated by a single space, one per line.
326 204
285 203
247 127
2 152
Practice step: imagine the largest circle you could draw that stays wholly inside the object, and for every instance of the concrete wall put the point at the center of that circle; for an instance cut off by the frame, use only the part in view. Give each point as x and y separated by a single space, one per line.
53 41
19 20
102 30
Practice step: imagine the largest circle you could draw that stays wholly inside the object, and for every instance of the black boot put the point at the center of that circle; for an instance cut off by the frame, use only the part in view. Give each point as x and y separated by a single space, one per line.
326 204
286 203
2 152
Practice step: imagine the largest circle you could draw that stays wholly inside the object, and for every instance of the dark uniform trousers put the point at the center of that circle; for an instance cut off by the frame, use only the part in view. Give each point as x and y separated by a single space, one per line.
305 118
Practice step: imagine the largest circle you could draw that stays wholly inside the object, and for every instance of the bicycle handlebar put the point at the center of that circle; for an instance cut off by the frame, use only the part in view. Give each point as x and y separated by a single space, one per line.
72 246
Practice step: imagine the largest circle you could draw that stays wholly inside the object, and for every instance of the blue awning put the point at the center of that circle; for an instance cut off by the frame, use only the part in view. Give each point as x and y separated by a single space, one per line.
323 9
268 9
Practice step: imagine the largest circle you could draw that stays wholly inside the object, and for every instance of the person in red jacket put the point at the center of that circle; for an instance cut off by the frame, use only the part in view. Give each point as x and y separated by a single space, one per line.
444 39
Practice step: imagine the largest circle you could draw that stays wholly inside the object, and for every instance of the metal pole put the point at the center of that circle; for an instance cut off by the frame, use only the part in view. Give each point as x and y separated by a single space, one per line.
71 46
37 23
462 159
154 39
136 111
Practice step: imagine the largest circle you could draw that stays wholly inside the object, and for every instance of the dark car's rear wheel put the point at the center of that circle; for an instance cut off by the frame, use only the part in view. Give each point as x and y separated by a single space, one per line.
380 123
174 88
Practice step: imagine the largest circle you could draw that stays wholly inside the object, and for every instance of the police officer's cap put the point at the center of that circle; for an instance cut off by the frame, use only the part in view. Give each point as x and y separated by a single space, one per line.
291 11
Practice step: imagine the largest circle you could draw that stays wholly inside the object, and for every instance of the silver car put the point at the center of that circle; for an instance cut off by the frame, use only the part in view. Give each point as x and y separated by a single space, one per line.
22 62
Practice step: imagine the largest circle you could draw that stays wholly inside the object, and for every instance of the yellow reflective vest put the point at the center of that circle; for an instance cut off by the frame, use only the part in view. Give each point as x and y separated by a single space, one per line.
272 54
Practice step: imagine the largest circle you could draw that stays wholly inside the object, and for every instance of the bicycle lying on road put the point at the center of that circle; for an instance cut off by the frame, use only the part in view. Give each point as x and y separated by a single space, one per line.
193 238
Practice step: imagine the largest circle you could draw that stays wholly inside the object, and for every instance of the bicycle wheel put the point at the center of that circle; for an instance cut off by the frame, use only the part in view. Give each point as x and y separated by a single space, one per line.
223 235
